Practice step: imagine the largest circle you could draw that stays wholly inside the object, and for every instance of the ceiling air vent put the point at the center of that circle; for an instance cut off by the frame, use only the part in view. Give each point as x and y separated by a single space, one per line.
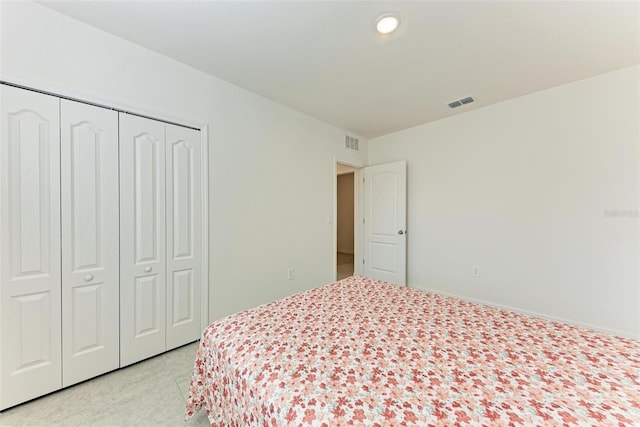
351 143
460 102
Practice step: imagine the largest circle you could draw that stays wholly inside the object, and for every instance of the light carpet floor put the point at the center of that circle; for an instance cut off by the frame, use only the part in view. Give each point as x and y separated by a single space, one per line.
149 393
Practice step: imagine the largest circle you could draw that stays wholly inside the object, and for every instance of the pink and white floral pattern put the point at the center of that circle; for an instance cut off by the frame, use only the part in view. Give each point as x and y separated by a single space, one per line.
364 352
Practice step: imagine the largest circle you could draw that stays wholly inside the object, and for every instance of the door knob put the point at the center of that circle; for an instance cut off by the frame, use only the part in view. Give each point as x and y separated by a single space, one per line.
147 269
88 277
401 232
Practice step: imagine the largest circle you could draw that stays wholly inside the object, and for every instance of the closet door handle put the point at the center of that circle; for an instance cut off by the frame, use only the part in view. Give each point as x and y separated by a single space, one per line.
88 277
147 269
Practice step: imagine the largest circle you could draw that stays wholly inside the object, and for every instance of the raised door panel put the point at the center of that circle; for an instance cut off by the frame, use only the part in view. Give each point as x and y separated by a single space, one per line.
30 279
142 242
184 235
90 261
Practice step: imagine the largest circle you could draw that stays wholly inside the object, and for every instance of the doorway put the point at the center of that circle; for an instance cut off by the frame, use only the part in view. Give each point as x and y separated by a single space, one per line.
345 221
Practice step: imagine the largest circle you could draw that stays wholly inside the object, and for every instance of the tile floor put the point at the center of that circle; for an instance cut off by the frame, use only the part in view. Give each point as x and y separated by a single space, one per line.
345 265
149 393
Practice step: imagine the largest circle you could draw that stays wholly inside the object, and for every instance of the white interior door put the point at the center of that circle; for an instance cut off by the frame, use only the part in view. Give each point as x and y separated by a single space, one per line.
385 222
184 234
142 238
90 273
30 279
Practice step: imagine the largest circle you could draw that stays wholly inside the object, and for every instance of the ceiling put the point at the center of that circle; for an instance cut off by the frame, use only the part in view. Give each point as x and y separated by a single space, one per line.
325 59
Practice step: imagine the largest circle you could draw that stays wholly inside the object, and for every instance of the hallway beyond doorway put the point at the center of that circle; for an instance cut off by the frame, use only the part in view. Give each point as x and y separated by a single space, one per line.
345 265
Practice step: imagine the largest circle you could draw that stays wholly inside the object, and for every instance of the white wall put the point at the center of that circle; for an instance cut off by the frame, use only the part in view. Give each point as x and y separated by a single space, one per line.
527 189
271 168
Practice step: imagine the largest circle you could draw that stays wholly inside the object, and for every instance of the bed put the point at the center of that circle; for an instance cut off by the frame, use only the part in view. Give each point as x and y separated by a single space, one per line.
365 352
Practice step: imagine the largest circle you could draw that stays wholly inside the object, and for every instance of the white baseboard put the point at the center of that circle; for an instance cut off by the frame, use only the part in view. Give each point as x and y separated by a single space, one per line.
624 334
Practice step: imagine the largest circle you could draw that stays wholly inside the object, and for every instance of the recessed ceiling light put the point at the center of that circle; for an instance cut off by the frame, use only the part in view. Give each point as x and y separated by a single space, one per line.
387 23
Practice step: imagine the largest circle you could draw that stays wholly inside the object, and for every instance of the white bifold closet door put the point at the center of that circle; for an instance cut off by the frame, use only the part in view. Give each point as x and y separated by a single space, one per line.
142 239
160 243
30 331
184 235
90 275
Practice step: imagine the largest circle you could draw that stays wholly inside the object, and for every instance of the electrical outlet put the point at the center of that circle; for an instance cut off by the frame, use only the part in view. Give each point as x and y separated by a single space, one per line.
475 271
291 274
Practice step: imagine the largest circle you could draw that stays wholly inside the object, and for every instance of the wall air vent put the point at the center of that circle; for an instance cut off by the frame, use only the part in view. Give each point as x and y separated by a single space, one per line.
460 102
351 143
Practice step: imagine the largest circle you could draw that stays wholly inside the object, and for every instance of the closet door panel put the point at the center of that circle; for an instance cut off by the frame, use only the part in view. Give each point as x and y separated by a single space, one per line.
90 261
142 243
30 279
184 235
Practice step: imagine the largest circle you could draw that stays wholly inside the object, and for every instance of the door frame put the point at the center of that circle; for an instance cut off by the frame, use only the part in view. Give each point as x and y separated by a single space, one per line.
357 217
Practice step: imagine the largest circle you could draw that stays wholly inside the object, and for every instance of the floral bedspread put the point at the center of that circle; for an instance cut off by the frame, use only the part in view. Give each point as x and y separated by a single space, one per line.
365 352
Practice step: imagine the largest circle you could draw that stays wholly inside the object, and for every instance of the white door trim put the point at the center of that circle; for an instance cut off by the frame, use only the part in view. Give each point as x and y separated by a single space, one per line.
204 292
